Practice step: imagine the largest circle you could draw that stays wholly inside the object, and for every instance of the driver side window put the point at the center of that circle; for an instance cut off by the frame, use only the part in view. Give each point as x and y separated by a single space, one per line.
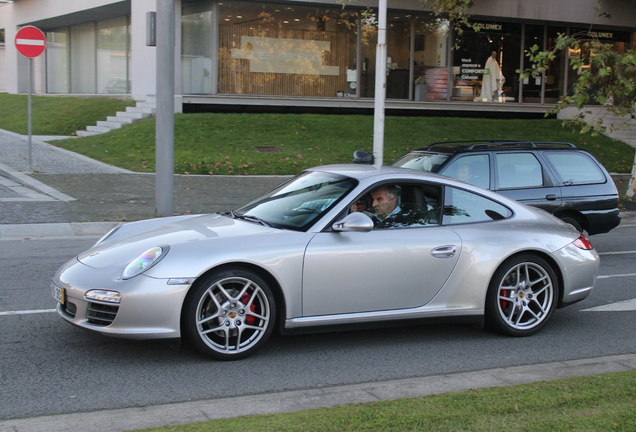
400 205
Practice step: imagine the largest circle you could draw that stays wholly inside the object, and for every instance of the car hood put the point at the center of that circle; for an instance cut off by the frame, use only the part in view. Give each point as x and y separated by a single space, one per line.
133 239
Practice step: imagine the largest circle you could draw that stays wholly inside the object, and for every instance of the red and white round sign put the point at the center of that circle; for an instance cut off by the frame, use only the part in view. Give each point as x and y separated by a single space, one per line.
30 41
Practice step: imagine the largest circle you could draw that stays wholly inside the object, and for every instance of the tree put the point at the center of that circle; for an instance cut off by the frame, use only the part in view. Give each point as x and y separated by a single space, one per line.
605 76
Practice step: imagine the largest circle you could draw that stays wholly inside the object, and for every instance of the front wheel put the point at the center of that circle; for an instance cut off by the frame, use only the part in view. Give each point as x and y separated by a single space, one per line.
229 315
522 296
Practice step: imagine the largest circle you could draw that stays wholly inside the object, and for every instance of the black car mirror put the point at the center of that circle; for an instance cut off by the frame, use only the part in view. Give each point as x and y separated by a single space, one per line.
362 157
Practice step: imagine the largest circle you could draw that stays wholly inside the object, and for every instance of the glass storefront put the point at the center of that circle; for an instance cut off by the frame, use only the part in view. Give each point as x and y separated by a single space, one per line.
113 56
307 51
196 48
89 58
300 50
57 65
485 63
269 49
273 49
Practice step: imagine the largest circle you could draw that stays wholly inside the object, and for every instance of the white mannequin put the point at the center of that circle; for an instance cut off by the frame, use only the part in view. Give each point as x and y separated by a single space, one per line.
491 84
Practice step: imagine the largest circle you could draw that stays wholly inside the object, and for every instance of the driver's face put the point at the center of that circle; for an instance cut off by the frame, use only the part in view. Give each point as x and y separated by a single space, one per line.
382 205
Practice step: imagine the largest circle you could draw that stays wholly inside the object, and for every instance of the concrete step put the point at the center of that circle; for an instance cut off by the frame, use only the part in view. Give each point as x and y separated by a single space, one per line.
122 120
109 124
147 104
134 115
86 133
138 109
98 129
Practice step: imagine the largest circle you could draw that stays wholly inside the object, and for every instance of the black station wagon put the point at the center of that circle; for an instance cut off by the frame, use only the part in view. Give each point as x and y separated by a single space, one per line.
557 177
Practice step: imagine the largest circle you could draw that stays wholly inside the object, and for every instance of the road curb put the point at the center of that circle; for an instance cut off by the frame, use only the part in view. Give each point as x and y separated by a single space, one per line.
291 401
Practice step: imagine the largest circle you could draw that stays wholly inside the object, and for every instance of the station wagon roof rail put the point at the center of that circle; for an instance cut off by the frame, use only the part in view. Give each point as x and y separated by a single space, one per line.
477 144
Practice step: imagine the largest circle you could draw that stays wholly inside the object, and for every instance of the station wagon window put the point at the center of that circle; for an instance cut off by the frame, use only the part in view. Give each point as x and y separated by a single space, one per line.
421 161
473 169
462 206
575 168
518 170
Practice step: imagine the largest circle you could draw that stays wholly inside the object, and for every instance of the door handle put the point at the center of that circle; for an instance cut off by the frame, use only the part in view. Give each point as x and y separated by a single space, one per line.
444 251
551 197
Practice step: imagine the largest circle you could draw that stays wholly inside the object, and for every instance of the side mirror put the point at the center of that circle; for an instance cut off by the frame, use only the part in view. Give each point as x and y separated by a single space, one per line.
354 222
362 157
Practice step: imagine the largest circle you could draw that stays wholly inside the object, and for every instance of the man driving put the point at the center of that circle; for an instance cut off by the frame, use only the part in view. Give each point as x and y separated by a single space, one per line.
385 205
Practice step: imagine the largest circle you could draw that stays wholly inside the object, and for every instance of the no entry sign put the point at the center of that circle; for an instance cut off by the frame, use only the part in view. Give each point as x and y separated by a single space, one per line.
30 41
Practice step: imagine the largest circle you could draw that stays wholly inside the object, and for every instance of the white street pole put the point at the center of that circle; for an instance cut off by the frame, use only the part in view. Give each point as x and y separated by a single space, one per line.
30 120
380 86
164 126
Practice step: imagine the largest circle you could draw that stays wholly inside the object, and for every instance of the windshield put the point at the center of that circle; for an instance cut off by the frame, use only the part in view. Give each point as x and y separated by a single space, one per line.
298 203
421 161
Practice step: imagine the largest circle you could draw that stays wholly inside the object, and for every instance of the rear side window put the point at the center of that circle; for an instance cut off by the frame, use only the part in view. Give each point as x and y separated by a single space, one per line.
518 170
575 168
462 206
473 169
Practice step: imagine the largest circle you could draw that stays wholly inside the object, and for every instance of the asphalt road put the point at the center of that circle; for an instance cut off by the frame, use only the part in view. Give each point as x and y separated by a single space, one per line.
50 367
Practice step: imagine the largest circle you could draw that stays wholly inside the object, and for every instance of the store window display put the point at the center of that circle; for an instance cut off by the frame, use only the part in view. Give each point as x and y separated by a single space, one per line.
474 66
492 81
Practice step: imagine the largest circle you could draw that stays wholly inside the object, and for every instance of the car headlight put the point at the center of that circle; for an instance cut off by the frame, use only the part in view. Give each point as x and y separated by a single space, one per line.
108 234
145 261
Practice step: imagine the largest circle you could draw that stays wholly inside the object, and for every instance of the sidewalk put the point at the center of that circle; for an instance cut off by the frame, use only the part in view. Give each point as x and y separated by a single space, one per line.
291 401
68 188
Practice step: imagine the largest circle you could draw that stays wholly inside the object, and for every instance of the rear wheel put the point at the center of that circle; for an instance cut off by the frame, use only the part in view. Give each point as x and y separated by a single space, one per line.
230 315
522 296
573 222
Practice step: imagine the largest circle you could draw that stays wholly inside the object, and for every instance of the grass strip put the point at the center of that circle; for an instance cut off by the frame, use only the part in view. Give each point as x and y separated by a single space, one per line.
592 403
227 143
56 115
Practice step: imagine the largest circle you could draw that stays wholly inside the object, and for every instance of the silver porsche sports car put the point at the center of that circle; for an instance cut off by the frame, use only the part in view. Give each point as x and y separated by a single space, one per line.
336 245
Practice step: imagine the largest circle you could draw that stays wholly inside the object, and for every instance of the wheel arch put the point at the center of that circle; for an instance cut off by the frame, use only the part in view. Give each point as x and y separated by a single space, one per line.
271 281
547 258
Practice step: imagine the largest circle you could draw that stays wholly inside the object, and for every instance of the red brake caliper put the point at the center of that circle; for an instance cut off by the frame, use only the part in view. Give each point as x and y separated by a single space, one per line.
249 319
502 302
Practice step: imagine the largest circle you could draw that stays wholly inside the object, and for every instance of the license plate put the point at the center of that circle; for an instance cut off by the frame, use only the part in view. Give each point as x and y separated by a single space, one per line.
58 294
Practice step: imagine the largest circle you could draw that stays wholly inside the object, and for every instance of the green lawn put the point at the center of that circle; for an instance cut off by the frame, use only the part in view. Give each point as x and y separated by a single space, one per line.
597 403
226 143
53 115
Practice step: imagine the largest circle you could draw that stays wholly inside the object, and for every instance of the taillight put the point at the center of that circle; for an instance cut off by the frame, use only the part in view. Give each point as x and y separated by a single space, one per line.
583 243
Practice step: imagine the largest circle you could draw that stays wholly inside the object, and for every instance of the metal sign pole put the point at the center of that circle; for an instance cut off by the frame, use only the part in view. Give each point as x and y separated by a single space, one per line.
164 124
380 86
29 120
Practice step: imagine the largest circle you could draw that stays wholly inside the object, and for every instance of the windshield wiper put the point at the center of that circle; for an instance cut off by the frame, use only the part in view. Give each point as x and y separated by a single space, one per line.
251 218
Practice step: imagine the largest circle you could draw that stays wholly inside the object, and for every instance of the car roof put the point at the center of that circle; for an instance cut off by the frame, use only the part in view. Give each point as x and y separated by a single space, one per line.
363 171
453 147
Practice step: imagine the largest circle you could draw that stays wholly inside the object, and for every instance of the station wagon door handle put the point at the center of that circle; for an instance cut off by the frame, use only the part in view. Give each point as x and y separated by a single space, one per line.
444 252
551 197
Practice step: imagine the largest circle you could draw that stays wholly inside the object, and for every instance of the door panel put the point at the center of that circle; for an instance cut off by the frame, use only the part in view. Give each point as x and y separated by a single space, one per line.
520 176
377 270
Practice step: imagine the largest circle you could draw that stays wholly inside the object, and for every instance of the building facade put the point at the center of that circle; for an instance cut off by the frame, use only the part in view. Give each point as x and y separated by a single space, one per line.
307 53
